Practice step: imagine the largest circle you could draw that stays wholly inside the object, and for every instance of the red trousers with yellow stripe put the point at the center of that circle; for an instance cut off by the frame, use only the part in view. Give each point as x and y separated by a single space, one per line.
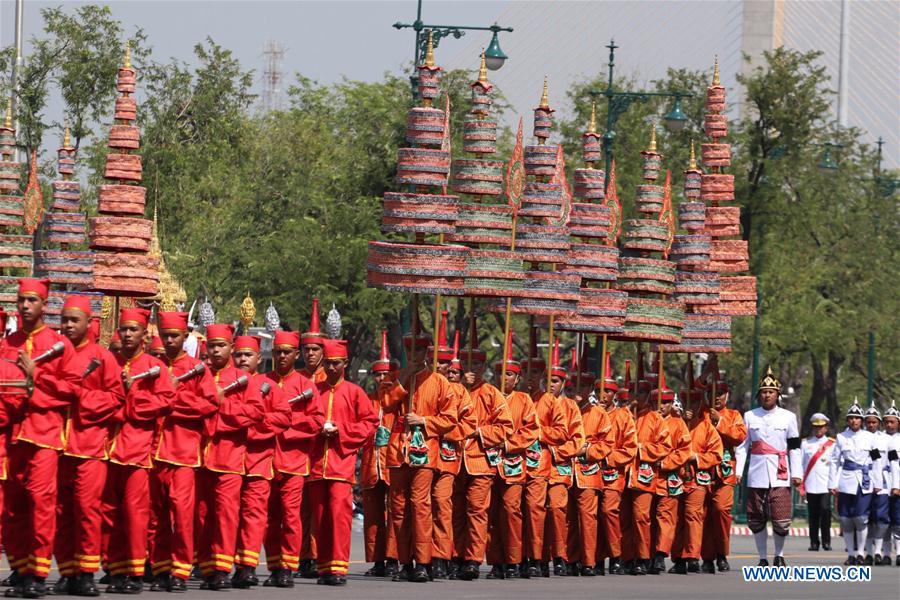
219 503
284 535
126 512
254 514
331 502
30 503
173 496
78 515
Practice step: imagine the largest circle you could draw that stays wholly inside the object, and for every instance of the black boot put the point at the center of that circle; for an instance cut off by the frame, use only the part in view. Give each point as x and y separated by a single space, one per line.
722 564
160 583
587 571
311 571
814 546
36 588
600 570
559 567
177 585
148 572
116 583
273 575
403 574
64 586
679 568
545 568
886 560
217 580
496 572
878 560
638 568
284 579
133 585
868 561
693 565
658 564
512 571
438 568
779 562
453 569
469 571
337 580
573 569
84 586
391 567
377 570
708 566
532 569
419 574
240 579
12 580
196 574
615 566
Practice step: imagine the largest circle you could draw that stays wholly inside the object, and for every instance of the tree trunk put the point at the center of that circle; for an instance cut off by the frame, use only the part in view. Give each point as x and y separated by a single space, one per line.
816 394
835 361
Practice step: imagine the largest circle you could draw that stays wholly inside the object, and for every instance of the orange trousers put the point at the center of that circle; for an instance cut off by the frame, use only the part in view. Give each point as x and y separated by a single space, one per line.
254 514
284 533
535 517
126 513
409 505
635 514
78 516
332 514
442 511
689 533
505 524
717 528
555 527
667 510
219 504
379 545
173 498
30 507
610 525
582 524
471 500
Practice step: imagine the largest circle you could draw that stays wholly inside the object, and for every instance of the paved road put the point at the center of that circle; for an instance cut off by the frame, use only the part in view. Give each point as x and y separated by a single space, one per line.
885 583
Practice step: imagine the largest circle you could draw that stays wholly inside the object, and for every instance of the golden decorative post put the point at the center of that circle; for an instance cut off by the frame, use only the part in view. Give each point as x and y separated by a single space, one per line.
248 312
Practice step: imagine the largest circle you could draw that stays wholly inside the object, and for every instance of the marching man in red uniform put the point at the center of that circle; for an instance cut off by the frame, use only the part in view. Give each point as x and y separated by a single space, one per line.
177 457
240 407
82 468
284 535
350 420
126 497
31 490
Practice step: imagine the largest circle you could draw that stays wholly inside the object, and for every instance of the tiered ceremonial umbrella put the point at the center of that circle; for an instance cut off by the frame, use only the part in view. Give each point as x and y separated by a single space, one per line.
15 245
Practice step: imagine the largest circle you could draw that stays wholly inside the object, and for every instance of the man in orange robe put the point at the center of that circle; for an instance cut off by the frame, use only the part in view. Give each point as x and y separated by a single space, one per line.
717 529
653 447
350 420
504 552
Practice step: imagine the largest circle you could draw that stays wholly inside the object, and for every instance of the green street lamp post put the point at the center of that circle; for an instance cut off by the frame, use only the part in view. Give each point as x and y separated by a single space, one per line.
886 185
618 103
493 55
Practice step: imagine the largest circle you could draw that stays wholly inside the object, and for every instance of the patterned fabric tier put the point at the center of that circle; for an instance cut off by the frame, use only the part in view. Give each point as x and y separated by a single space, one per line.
729 256
716 155
64 267
481 99
12 210
483 224
126 80
57 300
494 273
550 285
65 161
120 274
593 262
599 311
125 137
543 122
716 126
697 288
15 251
693 181
589 221
717 187
543 243
122 199
429 82
425 126
654 320
9 176
480 137
423 166
7 140
540 307
124 167
738 297
591 149
120 234
64 228
590 184
126 109
691 250
703 333
67 196
645 235
651 163
646 275
692 215
649 199
723 221
478 177
9 288
715 99
419 213
540 160
412 268
541 200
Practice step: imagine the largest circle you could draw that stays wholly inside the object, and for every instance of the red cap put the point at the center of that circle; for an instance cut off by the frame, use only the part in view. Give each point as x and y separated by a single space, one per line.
454 362
477 355
247 342
313 335
34 287
335 349
173 321
79 303
383 364
94 329
116 338
662 393
156 344
444 351
609 380
220 332
140 316
422 338
201 347
286 339
556 368
511 363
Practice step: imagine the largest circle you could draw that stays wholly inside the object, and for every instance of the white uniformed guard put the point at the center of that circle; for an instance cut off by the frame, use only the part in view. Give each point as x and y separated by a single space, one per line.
879 510
891 427
816 456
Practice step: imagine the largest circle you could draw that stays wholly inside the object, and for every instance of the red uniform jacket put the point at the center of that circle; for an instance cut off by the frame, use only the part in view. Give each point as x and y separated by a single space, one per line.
348 408
56 386
525 432
293 444
622 451
146 401
484 452
599 437
226 433
733 432
181 431
12 404
670 481
259 453
653 446
98 410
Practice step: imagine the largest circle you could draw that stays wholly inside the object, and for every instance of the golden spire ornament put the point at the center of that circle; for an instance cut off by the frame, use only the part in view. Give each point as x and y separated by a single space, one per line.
248 312
716 81
429 51
127 64
9 119
693 164
67 138
482 70
592 126
652 147
545 96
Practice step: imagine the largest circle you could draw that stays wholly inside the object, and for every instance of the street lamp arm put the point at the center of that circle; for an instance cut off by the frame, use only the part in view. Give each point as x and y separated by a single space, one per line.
419 26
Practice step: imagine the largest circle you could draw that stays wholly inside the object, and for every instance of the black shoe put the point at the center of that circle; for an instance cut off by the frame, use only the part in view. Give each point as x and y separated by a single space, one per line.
851 560
813 547
337 580
377 570
133 585
496 572
615 566
453 569
886 560
148 572
587 572
325 579
826 547
693 565
762 563
878 560
779 562
419 574
18 590
65 586
573 569
196 573
679 568
391 567
84 586
310 571
273 575
438 568
160 583
722 564
559 567
657 565
240 578
403 574
116 582
860 560
252 579
897 561
283 579
36 588
469 571
532 569
216 581
638 568
600 570
708 566
177 585
868 560
512 571
545 569
12 580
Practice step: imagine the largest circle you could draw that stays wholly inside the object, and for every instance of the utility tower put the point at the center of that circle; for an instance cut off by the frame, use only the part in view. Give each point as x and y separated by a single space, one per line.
272 77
